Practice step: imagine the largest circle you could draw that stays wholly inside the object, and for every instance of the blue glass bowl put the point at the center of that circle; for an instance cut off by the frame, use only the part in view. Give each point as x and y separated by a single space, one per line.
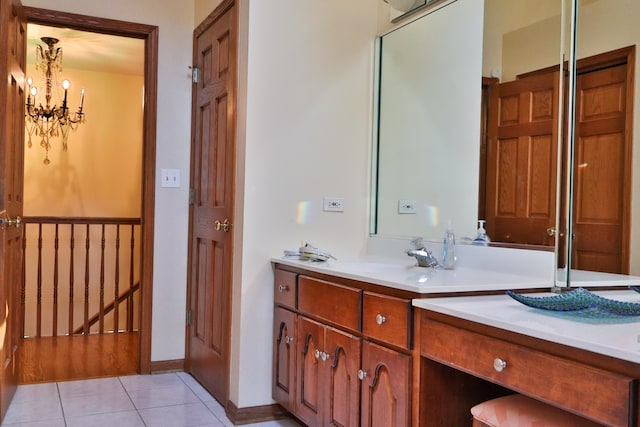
579 299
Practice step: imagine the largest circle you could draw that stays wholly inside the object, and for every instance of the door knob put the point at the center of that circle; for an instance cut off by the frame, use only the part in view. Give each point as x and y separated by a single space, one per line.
8 222
224 226
552 232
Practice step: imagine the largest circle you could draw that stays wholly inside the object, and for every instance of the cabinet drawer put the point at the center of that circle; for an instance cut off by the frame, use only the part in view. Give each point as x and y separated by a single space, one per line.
565 383
387 319
285 288
335 303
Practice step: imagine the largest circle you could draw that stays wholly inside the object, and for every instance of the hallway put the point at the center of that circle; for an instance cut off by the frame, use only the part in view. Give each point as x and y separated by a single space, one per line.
162 400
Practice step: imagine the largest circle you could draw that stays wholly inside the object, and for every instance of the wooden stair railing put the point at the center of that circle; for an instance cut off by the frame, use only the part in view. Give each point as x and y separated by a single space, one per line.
108 309
65 281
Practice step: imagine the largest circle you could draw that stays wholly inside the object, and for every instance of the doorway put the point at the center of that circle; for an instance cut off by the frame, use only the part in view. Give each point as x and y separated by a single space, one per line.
92 336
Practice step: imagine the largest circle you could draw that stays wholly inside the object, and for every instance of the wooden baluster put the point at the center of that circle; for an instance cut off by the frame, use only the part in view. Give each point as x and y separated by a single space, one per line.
86 281
54 321
131 278
71 277
101 309
23 290
39 285
116 285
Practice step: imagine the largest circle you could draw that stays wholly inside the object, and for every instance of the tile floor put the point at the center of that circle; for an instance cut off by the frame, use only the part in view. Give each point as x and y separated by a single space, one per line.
162 400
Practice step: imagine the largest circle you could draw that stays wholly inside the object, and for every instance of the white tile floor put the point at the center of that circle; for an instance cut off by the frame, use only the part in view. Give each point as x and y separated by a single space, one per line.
163 400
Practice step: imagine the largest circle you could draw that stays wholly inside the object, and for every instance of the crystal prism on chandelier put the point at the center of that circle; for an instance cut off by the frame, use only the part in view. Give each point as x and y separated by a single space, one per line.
50 121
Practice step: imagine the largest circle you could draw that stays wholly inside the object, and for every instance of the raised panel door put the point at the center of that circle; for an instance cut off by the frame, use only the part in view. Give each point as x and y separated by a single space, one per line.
340 372
386 388
284 358
309 376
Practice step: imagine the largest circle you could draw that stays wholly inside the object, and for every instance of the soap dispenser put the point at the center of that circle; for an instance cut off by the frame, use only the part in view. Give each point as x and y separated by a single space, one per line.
481 237
449 249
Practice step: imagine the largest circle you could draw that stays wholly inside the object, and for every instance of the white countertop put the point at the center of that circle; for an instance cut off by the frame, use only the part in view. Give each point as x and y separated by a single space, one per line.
617 337
405 275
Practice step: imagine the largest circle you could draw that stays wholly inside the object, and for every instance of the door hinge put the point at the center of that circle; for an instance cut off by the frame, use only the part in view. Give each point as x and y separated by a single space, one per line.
195 74
189 317
192 196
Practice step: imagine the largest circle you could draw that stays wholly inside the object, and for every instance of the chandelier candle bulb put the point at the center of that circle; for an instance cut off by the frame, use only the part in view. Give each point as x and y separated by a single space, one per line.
81 98
65 85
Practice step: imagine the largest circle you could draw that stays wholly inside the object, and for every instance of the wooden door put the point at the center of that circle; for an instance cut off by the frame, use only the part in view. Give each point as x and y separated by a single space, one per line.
386 388
602 171
284 358
12 65
211 213
342 386
522 160
309 376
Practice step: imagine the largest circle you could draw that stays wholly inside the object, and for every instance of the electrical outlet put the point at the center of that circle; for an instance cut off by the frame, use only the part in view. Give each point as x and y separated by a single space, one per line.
407 206
170 178
333 204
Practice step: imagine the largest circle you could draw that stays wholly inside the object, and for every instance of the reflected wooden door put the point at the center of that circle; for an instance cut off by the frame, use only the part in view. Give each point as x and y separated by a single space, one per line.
522 160
12 65
602 170
210 235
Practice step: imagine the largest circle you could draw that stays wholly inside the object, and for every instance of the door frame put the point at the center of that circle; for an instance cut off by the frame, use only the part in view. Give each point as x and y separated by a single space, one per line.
148 33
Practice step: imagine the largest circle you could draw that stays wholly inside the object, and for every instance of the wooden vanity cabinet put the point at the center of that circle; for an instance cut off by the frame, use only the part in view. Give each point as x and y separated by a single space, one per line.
352 353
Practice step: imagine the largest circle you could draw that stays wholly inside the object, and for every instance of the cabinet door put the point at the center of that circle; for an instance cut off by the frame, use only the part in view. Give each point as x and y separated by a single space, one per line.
284 358
341 387
386 387
309 377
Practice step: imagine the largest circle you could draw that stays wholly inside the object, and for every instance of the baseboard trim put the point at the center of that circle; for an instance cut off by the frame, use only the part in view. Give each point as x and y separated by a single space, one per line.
255 414
163 366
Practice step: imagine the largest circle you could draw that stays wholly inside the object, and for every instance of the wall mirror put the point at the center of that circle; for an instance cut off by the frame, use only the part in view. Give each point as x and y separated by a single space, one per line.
435 160
605 214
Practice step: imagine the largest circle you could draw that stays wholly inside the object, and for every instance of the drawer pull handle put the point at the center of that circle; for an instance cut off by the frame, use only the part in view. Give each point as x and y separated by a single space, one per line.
499 365
283 288
288 339
362 374
380 319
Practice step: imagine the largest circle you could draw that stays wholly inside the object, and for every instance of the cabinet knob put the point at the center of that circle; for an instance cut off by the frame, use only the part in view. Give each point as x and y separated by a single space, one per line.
325 356
288 339
317 354
283 288
362 374
499 365
380 319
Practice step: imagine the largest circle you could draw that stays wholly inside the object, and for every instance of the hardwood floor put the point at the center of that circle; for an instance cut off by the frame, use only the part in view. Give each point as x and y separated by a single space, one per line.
50 359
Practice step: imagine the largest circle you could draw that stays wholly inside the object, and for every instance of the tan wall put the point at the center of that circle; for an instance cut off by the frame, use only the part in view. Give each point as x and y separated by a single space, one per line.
100 174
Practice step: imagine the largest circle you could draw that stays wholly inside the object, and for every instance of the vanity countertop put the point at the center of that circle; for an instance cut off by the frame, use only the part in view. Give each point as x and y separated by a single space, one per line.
614 336
405 275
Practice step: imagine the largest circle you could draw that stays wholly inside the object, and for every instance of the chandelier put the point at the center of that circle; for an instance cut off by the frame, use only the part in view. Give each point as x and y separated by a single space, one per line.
50 121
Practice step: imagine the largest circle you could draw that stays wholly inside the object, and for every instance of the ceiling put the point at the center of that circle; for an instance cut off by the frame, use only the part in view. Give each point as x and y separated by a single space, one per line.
91 51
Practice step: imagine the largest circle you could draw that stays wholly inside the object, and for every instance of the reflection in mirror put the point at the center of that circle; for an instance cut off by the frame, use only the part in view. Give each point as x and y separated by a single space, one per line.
429 116
431 152
605 171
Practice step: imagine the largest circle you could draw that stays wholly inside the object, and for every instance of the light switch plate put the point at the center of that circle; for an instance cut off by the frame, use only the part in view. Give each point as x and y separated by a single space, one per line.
170 178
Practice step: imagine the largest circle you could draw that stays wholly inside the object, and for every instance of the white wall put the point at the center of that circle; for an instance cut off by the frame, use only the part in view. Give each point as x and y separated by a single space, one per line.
175 20
308 68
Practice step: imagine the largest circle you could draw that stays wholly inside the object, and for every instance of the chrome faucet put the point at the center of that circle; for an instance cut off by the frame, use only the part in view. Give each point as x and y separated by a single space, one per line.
424 257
